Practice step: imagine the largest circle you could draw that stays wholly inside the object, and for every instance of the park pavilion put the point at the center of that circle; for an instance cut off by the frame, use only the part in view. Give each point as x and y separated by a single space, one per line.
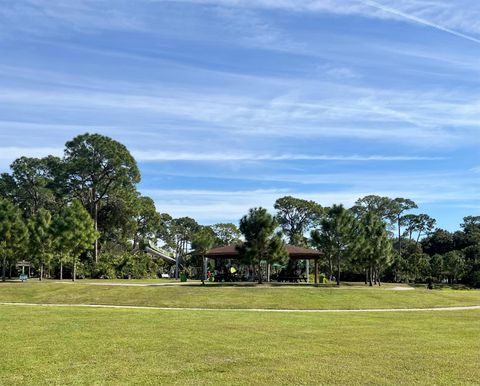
226 254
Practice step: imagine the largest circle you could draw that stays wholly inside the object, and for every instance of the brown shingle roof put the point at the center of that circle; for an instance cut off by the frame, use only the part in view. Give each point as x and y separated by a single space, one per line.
294 252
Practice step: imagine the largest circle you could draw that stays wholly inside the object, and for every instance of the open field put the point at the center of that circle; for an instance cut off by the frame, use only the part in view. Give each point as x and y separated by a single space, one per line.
88 346
59 345
289 297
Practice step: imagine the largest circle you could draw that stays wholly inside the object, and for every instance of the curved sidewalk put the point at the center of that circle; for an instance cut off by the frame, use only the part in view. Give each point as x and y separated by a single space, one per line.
461 308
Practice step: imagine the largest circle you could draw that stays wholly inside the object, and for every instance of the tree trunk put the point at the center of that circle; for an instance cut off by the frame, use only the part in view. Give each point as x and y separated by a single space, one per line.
4 267
399 238
338 270
41 272
177 264
259 274
418 237
95 219
370 274
330 266
74 273
10 270
366 276
61 270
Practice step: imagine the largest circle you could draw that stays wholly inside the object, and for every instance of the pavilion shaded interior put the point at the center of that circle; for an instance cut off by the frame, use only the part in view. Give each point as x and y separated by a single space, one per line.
295 253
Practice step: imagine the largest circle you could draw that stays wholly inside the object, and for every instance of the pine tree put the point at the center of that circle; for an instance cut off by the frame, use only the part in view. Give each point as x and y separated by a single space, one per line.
41 241
13 232
261 242
335 237
373 248
202 241
75 232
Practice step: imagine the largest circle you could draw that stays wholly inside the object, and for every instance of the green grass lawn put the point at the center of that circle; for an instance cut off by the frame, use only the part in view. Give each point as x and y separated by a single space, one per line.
126 281
120 346
101 346
289 297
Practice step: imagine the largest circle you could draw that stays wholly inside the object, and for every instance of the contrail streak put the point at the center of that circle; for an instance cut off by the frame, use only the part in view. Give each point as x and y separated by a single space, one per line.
419 20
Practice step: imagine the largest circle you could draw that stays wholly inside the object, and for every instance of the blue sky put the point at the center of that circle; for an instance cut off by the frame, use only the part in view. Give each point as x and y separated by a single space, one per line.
231 104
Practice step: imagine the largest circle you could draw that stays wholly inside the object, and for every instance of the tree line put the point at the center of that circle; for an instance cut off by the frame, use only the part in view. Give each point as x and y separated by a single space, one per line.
82 213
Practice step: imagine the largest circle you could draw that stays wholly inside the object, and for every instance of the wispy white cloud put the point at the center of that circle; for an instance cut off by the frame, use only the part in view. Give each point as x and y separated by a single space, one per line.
12 153
212 205
155 155
53 16
438 118
459 18
444 15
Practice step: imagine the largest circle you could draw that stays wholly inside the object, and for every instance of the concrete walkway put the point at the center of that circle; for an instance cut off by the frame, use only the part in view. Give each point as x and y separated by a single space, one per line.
463 308
171 284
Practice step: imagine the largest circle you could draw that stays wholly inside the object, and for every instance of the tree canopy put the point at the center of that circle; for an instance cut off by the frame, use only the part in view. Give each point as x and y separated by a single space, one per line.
84 209
262 243
296 217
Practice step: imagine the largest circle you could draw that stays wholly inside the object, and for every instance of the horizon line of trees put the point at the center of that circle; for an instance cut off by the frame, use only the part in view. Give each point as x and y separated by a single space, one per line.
83 213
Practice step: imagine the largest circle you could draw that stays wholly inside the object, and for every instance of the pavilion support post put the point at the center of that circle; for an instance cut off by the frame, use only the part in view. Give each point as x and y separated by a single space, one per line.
307 270
269 270
177 265
316 271
205 267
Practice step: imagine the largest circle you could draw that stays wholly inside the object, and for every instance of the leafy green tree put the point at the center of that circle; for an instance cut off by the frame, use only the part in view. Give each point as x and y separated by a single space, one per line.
202 241
226 234
182 231
147 221
31 183
471 230
424 268
117 219
136 265
436 266
41 239
453 265
13 232
321 239
423 224
373 246
383 207
472 264
297 216
401 205
262 243
75 232
7 187
439 242
96 166
165 231
335 237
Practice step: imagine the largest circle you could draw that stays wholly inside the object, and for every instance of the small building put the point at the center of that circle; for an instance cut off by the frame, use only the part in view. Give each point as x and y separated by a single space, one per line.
230 252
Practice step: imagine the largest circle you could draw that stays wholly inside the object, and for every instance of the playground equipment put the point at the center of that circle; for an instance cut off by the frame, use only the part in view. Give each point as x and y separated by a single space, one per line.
157 252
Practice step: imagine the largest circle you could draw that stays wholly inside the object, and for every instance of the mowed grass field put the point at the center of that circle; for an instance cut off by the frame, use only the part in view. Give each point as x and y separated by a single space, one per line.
277 297
57 345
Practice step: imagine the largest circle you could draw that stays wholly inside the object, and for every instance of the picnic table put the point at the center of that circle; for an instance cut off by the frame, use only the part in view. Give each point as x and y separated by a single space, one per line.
293 279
